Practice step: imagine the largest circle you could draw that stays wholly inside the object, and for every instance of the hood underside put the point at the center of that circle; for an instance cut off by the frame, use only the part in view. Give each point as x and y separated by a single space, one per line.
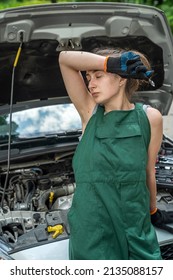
49 29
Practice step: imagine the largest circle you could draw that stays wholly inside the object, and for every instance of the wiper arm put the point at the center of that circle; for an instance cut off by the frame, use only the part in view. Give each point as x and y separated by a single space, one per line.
65 134
51 137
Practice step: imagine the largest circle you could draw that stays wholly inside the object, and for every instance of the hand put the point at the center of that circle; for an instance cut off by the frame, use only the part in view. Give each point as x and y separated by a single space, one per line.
128 65
161 218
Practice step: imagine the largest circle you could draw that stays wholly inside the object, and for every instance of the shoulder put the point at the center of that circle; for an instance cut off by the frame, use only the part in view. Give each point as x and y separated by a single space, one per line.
156 125
154 116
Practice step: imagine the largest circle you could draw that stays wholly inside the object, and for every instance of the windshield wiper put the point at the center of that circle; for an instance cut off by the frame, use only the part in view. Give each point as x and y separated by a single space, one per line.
55 135
65 134
51 138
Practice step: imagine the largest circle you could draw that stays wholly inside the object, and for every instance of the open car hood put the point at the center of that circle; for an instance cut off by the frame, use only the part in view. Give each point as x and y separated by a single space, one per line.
49 29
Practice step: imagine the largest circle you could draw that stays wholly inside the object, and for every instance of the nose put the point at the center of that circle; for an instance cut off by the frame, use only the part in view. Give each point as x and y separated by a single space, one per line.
91 84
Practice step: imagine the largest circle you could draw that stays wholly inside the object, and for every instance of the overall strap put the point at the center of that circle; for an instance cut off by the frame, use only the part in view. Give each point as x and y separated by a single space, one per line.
144 123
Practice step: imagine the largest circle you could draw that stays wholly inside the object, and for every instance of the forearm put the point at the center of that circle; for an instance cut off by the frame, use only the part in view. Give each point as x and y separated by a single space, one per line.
81 61
151 183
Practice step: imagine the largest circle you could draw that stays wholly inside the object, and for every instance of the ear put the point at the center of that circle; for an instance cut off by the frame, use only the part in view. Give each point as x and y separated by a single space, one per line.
122 81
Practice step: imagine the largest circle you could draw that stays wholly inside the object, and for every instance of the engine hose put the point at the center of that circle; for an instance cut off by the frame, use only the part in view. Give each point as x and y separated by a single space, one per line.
58 192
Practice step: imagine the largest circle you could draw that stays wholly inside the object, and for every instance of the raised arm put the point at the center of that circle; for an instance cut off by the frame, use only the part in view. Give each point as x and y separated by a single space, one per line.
72 63
156 123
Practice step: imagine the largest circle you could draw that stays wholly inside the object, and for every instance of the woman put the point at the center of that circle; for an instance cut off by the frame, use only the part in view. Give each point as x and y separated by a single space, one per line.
114 163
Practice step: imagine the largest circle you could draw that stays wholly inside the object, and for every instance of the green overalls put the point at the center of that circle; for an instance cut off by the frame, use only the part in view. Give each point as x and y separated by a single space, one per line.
110 218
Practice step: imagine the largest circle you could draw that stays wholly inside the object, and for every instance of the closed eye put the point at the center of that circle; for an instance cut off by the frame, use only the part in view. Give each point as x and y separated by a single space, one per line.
99 76
91 75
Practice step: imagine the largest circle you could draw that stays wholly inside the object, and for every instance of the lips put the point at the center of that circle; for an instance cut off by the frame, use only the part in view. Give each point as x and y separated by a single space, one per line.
94 94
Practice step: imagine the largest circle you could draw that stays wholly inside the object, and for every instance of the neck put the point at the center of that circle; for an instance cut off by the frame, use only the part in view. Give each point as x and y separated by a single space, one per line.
122 104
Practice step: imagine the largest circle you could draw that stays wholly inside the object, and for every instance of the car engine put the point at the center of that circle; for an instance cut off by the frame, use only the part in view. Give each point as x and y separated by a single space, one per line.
36 201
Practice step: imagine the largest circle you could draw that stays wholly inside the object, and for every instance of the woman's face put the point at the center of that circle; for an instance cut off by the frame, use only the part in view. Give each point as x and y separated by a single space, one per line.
103 86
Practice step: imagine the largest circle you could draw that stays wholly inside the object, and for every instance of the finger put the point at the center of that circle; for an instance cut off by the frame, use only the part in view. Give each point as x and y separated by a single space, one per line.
134 66
143 75
129 58
135 62
149 73
141 68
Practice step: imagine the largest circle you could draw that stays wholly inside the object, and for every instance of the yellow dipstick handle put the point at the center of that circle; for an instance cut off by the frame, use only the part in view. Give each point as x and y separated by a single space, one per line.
58 229
51 197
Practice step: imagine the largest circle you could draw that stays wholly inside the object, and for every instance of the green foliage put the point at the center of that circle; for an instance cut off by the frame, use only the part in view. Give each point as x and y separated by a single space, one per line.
168 10
4 4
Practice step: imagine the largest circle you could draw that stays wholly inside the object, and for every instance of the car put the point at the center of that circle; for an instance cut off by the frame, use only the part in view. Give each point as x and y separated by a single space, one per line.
40 127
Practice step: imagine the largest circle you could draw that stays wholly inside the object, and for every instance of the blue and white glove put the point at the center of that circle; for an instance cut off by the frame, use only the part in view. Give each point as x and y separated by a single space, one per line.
127 65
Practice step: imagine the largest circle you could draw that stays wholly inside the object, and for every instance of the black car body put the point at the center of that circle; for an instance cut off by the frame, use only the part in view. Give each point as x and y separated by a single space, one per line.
40 128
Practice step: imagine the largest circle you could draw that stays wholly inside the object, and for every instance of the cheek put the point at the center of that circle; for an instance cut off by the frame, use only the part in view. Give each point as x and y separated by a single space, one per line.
111 86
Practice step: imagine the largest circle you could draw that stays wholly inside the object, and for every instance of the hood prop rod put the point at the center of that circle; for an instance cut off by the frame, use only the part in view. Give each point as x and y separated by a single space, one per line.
10 117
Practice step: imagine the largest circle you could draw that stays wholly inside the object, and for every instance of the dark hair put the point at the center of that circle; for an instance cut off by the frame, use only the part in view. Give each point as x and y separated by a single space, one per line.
132 85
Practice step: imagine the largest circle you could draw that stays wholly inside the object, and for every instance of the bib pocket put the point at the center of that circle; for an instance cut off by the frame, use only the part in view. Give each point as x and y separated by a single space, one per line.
121 146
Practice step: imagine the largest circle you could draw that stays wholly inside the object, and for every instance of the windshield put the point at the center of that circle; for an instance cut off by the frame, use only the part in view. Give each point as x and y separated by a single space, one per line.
42 121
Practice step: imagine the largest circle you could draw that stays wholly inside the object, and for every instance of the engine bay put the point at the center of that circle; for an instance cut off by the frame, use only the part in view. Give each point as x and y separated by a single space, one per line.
36 201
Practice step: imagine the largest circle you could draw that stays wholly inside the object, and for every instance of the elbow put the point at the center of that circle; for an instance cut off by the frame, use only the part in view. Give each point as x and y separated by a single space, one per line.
60 58
64 60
